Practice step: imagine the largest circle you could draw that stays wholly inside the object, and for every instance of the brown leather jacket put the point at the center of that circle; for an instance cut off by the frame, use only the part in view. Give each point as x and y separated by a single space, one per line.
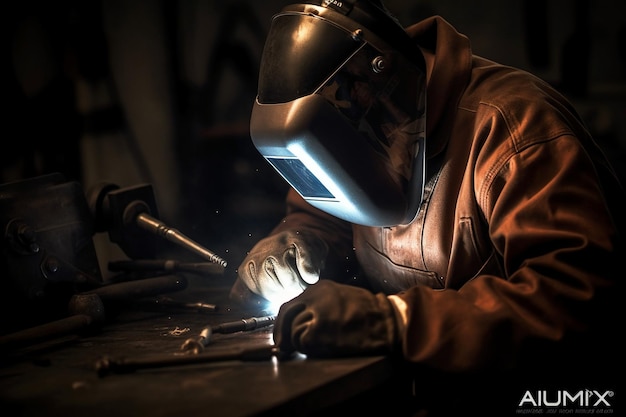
514 247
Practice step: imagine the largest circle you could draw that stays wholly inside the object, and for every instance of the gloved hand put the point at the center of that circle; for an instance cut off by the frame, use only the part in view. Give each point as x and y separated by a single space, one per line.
281 266
332 319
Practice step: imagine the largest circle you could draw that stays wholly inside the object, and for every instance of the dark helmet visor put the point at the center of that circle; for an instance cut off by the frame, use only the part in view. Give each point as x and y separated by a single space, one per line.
300 53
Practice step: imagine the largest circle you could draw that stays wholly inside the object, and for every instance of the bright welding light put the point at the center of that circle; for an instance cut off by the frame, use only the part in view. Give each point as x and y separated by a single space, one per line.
299 151
340 201
276 301
273 307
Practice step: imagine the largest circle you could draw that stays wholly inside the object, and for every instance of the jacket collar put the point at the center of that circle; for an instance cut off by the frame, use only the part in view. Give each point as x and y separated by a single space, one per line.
448 57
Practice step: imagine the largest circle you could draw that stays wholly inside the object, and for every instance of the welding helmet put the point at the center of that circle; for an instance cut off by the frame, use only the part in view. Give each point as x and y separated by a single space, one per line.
340 110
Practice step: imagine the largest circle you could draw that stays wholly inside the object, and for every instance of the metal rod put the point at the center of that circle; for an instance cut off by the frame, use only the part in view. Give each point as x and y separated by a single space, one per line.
107 365
197 345
153 225
166 265
167 302
57 328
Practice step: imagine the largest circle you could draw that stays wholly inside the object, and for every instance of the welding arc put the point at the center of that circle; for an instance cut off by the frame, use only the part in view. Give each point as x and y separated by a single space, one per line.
198 344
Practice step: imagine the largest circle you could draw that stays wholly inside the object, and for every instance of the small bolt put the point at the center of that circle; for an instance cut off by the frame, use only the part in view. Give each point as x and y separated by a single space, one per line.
52 265
27 237
357 35
378 64
26 233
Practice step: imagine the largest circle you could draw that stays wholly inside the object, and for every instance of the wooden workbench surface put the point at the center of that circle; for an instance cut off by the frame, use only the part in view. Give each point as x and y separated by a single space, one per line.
58 376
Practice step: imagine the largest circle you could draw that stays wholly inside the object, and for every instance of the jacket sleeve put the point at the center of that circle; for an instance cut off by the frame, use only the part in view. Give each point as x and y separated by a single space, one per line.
551 228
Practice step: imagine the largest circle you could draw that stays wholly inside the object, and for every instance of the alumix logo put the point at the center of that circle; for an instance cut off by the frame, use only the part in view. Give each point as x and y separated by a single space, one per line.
564 398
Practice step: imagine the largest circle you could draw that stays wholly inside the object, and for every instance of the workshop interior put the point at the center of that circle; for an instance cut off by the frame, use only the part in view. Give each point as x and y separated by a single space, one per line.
128 179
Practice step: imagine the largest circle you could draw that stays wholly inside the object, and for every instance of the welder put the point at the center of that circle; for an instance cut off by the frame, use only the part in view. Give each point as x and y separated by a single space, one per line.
444 209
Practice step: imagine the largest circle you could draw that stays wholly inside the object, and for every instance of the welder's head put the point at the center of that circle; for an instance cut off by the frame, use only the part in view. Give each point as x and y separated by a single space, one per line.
340 111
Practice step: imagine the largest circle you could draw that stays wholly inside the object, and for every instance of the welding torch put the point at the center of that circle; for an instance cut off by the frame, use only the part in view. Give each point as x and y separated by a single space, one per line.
197 345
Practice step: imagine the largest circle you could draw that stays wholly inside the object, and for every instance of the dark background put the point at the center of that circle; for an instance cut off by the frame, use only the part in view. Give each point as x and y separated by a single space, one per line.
160 92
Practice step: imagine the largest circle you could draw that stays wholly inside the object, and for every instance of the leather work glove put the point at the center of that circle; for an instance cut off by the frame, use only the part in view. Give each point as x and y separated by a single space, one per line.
331 319
281 266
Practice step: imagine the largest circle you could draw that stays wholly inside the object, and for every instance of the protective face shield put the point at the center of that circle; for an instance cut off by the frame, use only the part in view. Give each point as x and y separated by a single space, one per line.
340 111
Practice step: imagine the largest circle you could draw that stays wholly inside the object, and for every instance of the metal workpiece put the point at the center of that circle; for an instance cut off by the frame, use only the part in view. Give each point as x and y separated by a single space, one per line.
198 344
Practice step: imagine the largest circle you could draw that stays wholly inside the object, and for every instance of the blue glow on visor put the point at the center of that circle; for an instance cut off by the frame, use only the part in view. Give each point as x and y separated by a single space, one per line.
300 177
305 174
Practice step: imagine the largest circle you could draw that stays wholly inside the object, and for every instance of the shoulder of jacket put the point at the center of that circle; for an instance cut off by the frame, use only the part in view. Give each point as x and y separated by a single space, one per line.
532 110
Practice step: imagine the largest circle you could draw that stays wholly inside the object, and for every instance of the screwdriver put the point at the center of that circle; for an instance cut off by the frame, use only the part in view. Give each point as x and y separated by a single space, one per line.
197 345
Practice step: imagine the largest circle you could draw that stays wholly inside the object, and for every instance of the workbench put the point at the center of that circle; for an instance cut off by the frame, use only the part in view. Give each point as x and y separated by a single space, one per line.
58 377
